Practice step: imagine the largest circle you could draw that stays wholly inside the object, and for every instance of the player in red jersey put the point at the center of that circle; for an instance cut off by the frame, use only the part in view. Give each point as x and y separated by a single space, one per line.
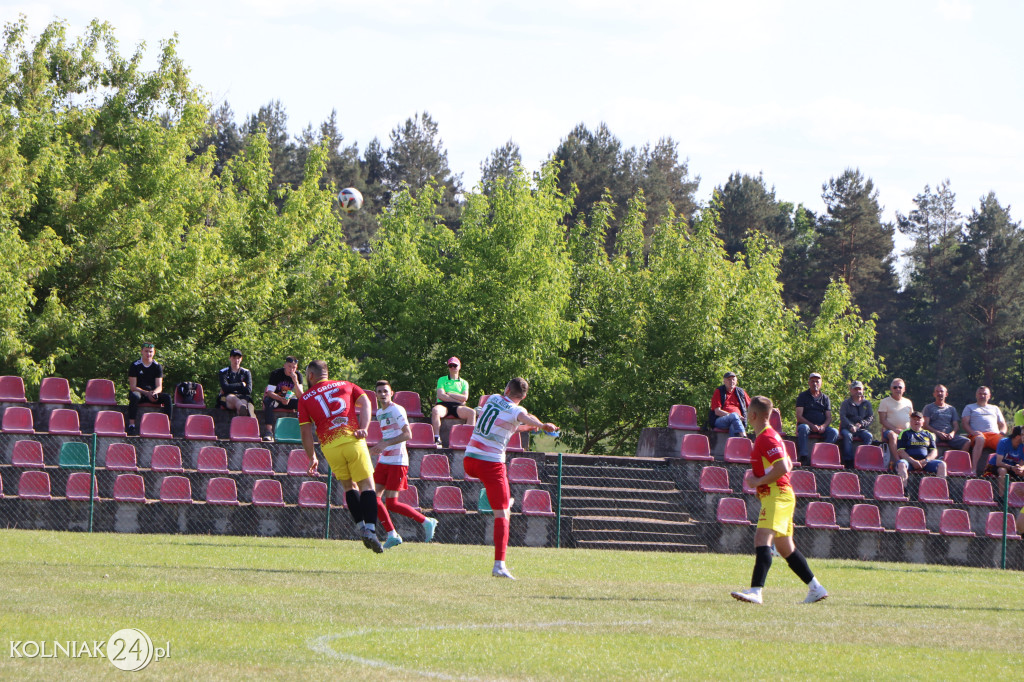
771 467
331 407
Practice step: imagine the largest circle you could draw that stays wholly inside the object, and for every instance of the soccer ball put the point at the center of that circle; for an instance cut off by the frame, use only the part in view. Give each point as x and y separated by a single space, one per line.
351 199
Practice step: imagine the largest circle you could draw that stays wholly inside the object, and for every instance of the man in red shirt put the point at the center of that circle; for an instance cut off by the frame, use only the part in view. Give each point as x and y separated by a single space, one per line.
729 406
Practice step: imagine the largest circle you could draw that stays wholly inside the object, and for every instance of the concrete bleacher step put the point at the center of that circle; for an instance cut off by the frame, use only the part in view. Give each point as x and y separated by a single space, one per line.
672 494
630 546
597 511
623 524
618 482
617 504
599 471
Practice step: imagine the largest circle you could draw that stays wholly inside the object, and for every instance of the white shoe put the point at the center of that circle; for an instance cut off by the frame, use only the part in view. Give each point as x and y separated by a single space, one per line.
748 595
815 594
502 573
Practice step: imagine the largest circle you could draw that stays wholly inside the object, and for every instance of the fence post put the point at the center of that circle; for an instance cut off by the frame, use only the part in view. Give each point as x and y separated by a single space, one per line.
558 513
92 479
1006 509
327 524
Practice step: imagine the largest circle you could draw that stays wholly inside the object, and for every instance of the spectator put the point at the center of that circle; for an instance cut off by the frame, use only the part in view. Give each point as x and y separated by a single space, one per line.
984 424
894 415
452 394
855 418
813 415
729 406
942 419
145 385
284 388
917 452
236 387
1008 459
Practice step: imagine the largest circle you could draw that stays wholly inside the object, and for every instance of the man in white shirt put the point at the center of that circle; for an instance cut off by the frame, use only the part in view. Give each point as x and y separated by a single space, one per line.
894 415
984 425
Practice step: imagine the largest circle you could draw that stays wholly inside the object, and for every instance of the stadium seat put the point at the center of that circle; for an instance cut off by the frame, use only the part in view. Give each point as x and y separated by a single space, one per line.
313 494
55 391
298 462
483 505
845 485
537 503
911 520
222 491
286 430
257 462
978 493
955 522
738 450
994 526
410 496
435 467
74 456
889 488
200 427
212 460
373 433
523 470
100 392
176 490
155 425
804 484
826 456
373 403
245 430
933 490
1016 494
34 485
683 417
129 488
483 399
448 500
121 457
17 420
515 443
865 517
458 437
696 447
77 489
791 451
266 492
958 463
64 422
109 424
12 390
166 459
869 458
745 485
775 421
27 454
821 515
422 436
715 480
198 403
410 400
733 511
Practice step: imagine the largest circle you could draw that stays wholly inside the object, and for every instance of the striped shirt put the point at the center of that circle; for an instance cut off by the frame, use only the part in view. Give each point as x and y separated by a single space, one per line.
497 420
392 420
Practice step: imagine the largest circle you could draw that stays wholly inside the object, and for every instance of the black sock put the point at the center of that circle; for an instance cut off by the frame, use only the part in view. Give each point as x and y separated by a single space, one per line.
368 503
798 563
761 565
352 501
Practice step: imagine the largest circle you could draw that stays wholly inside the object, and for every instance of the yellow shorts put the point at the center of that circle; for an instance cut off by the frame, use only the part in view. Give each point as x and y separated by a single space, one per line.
349 458
777 512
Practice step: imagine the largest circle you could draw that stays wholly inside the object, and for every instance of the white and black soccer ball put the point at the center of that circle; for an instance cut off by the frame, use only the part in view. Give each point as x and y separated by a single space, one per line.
351 199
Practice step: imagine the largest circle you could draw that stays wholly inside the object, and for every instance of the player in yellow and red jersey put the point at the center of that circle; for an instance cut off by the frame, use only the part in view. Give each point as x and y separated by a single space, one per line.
771 466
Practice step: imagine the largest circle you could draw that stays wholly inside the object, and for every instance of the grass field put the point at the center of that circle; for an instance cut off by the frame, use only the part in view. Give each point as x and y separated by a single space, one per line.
264 608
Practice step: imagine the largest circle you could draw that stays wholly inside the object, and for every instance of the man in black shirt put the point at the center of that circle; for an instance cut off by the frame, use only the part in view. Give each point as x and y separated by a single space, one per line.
813 416
284 388
236 387
145 383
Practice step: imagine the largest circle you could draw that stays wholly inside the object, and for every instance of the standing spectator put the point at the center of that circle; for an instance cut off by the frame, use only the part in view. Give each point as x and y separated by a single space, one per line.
894 414
284 388
236 387
452 394
855 417
983 423
943 420
1008 459
813 415
146 385
729 406
917 452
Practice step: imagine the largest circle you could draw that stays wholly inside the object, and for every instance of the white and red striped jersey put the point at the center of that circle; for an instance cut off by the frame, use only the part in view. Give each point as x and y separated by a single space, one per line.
392 420
497 419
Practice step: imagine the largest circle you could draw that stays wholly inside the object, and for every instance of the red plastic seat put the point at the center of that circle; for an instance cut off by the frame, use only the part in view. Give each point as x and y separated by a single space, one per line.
313 494
715 480
889 488
77 489
34 485
537 503
738 450
100 392
696 447
373 403
911 520
64 422
410 496
298 462
826 456
422 436
212 460
683 417
166 459
12 390
1017 494
129 488
55 391
866 517
978 493
27 454
747 488
222 491
435 467
109 423
155 425
448 500
955 522
458 437
804 484
958 463
791 451
245 430
200 427
775 421
821 515
266 492
994 526
515 443
373 434
483 399
410 400
732 510
845 485
934 491
258 462
869 458
523 470
176 490
17 420
198 403
121 457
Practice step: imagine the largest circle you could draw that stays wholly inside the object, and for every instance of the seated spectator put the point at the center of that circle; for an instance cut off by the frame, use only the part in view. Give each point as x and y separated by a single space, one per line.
452 394
916 450
284 388
1008 459
236 387
729 406
813 415
894 415
984 424
145 385
855 417
943 420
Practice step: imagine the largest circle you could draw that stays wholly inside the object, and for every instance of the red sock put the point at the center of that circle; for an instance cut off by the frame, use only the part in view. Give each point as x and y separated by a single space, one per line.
384 517
397 507
500 538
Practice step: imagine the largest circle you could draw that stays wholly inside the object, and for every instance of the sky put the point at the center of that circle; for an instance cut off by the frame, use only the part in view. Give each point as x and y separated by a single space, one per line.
910 92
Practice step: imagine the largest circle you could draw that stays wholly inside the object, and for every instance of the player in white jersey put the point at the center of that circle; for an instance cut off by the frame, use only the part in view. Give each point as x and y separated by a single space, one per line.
391 475
497 419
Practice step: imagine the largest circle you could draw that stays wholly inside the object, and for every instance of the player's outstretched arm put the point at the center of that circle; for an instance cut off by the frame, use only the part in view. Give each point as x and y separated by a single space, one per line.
528 422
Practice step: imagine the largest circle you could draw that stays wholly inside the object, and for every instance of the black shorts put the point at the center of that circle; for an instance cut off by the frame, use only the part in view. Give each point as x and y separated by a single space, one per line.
453 409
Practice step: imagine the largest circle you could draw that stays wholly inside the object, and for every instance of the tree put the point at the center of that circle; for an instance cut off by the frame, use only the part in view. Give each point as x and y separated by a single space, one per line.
501 163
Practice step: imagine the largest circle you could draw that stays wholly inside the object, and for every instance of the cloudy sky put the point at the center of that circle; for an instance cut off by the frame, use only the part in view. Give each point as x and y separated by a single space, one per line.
911 92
